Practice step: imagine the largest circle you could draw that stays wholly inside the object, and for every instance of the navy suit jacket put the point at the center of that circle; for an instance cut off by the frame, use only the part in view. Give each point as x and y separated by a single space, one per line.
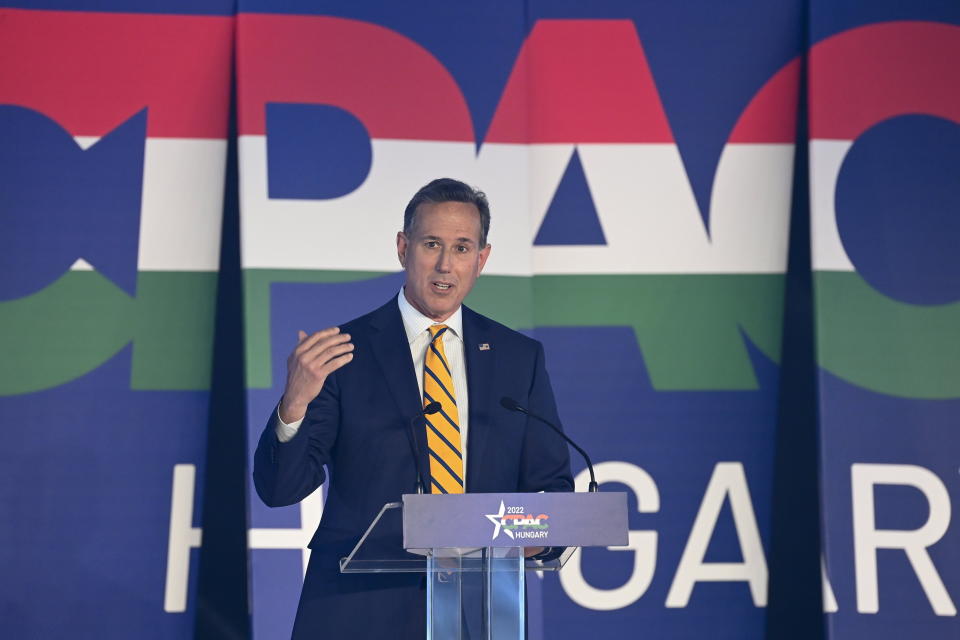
358 428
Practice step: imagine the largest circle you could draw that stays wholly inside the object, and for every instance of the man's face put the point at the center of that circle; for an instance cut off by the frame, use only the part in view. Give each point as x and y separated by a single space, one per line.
442 257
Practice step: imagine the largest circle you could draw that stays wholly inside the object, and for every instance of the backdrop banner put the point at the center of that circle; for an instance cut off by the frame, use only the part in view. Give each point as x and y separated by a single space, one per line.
113 129
639 161
885 198
638 158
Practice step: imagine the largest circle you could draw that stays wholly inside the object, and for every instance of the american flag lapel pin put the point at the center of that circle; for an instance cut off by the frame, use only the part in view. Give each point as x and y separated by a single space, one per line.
484 346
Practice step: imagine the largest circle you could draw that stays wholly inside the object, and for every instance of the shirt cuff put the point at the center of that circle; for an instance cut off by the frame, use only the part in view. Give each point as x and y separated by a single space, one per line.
286 432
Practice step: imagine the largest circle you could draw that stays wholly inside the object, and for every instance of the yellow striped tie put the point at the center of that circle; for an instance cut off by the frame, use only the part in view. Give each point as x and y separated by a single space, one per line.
443 427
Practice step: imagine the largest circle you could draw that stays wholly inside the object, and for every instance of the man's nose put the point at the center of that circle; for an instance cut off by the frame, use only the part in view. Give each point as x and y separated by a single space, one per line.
443 261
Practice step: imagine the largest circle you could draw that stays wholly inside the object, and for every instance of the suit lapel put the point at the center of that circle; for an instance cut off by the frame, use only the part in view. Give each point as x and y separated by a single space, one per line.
392 352
480 356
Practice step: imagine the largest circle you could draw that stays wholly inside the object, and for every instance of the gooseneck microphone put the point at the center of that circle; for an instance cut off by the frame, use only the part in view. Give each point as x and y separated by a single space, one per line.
513 405
428 410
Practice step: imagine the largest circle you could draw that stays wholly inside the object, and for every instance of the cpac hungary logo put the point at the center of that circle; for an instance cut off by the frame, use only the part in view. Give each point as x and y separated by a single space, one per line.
517 524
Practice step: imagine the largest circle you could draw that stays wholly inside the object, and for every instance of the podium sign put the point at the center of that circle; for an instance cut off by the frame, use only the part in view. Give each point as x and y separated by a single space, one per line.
514 520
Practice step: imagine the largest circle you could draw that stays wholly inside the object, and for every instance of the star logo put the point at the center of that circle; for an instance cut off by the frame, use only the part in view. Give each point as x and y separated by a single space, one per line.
497 520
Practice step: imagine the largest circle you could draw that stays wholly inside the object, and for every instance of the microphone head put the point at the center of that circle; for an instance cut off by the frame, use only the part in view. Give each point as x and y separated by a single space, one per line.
510 404
431 408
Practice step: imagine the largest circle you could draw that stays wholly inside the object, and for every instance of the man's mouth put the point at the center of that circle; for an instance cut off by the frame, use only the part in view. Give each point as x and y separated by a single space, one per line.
442 286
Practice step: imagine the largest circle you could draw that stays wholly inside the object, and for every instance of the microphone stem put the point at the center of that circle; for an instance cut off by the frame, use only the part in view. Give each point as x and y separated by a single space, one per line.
416 451
593 487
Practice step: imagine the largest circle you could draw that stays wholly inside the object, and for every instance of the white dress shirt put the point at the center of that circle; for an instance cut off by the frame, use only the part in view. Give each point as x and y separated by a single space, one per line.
416 325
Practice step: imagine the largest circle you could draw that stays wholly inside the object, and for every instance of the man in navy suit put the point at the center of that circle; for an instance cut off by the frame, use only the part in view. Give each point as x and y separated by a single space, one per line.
352 393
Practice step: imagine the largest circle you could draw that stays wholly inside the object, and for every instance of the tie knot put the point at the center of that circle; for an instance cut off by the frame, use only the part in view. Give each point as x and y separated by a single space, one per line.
437 330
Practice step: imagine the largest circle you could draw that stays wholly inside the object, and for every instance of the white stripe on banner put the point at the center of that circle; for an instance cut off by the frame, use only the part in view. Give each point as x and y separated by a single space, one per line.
181 203
641 193
827 252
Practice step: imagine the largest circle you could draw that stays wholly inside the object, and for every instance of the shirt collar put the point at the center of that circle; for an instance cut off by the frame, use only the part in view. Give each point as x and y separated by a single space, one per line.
415 323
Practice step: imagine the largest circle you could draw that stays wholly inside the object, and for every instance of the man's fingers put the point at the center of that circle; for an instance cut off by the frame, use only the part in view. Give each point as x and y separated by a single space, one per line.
318 348
310 364
301 335
335 351
316 361
336 363
314 338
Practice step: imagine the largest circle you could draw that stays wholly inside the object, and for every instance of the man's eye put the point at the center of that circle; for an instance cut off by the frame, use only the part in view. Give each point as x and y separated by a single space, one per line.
431 244
462 248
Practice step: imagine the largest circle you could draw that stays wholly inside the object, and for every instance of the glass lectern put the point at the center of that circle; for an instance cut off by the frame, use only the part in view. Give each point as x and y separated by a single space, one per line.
472 549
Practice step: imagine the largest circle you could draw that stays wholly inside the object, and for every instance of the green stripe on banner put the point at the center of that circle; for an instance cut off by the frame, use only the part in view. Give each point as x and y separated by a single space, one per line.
690 327
82 320
884 345
173 339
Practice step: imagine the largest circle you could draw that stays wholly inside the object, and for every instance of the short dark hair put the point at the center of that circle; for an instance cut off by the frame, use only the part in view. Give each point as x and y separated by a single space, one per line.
449 190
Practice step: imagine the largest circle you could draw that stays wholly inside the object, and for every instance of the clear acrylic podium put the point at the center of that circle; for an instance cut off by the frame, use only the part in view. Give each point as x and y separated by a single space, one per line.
472 549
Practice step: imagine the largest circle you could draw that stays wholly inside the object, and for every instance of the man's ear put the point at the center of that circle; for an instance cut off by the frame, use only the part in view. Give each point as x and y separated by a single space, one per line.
402 248
484 254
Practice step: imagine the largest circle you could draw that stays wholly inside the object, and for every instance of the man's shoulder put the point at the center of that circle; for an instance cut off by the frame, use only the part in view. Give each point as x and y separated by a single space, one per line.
377 318
475 325
497 331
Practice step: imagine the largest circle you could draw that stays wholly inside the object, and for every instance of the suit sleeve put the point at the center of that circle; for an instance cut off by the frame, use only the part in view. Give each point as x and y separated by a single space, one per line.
545 460
285 473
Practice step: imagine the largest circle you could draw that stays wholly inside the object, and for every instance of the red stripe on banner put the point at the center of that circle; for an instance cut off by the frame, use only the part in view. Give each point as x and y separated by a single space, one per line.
581 81
771 116
92 71
868 74
394 86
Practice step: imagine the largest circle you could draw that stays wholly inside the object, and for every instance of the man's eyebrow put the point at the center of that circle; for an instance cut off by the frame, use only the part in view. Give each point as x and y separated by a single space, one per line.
462 239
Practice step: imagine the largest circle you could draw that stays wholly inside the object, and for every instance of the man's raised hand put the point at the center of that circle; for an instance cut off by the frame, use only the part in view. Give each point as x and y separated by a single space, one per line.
315 357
